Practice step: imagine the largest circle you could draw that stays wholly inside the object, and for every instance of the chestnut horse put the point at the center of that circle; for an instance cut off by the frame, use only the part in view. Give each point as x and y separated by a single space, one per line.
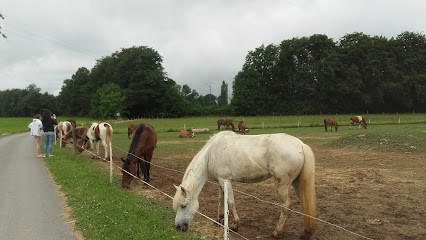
226 122
186 134
242 128
360 120
238 158
143 145
80 134
330 122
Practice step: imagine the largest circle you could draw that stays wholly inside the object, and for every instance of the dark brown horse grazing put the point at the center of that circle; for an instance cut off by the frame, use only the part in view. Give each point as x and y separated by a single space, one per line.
143 145
226 122
131 129
360 120
330 122
242 128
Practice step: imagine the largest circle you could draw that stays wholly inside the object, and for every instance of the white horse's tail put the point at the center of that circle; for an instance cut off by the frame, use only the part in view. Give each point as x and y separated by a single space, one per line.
307 189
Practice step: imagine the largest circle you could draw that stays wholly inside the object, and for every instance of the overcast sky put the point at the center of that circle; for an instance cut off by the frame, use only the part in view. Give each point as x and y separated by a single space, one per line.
202 42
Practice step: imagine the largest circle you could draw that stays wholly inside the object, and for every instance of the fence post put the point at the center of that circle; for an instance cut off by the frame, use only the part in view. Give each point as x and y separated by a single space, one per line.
184 126
60 141
110 163
225 210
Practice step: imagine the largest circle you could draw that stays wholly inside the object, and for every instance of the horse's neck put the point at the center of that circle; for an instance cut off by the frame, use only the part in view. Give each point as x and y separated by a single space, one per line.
196 175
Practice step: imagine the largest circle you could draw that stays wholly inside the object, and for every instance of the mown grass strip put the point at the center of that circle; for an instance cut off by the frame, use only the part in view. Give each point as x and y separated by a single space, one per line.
105 211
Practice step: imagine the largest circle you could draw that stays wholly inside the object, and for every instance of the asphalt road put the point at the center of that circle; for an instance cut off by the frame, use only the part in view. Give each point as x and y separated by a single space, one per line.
30 207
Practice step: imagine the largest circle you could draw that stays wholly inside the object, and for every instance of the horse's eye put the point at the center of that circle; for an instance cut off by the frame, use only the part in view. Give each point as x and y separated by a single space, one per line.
183 206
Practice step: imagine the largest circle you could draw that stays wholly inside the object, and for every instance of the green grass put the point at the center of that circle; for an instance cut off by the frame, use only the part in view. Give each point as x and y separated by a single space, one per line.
400 137
105 211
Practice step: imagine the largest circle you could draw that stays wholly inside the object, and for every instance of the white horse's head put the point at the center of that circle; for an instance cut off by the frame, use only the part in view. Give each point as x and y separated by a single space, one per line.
184 207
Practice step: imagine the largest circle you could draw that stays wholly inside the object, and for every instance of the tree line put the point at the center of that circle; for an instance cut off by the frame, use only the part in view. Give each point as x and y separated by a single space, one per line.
308 75
313 75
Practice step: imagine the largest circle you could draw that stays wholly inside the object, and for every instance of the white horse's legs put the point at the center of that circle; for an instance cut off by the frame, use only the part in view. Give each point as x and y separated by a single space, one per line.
220 214
283 194
231 204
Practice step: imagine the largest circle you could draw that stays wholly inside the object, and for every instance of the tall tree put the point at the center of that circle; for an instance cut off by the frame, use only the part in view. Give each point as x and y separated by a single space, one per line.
222 100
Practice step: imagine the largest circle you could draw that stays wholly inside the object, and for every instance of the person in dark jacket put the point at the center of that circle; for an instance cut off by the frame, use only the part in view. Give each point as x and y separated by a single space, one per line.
49 121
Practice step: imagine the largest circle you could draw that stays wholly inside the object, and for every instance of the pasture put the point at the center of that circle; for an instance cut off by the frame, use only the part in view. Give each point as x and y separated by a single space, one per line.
369 181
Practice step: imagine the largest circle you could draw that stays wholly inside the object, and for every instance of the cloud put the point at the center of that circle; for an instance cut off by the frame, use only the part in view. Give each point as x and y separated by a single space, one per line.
202 42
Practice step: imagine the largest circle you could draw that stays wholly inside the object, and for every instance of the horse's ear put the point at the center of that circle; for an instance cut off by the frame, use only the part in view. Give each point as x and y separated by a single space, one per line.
177 188
183 191
123 160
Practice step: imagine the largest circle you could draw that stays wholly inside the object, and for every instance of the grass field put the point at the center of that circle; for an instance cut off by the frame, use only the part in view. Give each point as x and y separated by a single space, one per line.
103 211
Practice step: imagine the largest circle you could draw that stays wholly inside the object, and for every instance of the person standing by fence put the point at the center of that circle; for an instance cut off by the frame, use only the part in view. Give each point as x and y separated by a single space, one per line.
36 127
48 121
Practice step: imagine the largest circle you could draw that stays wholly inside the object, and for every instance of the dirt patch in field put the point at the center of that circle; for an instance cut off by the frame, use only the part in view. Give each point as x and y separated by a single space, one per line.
376 194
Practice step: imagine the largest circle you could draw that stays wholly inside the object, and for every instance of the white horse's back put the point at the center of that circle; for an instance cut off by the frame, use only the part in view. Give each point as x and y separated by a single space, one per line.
253 158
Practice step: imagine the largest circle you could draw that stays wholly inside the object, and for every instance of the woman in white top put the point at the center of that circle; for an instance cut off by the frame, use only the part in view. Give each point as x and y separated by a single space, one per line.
36 127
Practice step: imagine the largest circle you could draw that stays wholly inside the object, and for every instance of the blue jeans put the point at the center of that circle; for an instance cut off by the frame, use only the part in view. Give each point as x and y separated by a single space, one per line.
49 137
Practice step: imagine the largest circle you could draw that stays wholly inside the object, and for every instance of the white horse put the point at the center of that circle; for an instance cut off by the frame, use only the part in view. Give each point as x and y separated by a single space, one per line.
249 158
100 132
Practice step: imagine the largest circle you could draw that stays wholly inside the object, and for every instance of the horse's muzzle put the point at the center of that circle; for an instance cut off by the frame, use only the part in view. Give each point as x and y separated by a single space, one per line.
182 227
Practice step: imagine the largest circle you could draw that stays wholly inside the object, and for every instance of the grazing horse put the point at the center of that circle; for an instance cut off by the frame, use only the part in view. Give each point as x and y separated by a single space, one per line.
330 122
186 134
62 128
99 132
242 128
143 146
131 129
226 122
360 120
285 158
80 134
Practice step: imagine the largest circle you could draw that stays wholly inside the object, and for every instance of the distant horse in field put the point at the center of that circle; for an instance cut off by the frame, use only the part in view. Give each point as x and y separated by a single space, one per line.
99 132
285 158
186 134
242 128
80 134
131 129
143 145
330 122
225 122
360 120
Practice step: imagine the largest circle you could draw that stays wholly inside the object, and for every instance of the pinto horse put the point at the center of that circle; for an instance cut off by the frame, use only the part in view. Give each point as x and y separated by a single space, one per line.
131 129
330 122
143 146
360 120
62 128
280 156
99 132
242 128
225 122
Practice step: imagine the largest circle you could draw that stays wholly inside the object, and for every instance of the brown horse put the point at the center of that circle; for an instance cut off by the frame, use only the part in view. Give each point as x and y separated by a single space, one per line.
242 128
143 145
330 122
80 134
358 119
226 122
131 129
186 134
